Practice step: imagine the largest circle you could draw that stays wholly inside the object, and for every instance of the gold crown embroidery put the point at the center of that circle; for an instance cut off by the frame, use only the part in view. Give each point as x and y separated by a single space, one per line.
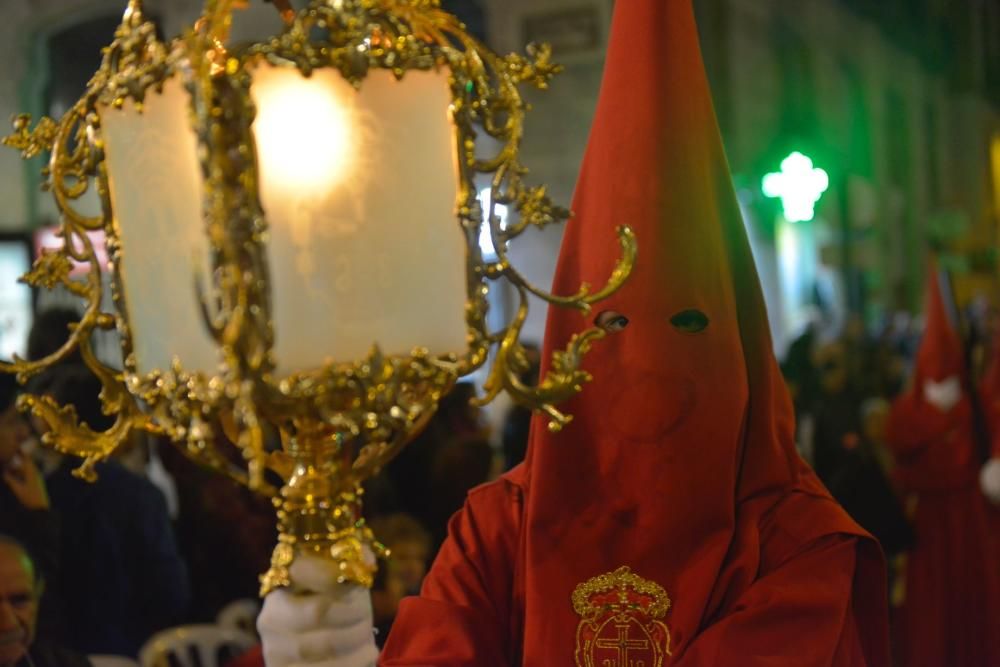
621 621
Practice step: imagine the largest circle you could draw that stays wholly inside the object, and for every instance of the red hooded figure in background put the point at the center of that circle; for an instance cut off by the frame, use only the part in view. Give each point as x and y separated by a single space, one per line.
672 522
951 615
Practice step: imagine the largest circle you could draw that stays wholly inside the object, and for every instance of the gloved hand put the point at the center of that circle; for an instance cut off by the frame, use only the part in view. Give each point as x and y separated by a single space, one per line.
317 622
943 395
989 480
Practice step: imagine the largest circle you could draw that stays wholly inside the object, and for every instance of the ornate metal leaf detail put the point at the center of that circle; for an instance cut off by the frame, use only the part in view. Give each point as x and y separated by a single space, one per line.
32 142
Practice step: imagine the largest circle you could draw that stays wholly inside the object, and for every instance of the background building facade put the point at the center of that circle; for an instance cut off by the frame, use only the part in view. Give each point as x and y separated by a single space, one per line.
898 101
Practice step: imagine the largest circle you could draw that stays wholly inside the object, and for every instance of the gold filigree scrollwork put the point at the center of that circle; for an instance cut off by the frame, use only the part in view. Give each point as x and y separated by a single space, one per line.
240 322
135 61
31 141
68 435
341 423
564 379
73 166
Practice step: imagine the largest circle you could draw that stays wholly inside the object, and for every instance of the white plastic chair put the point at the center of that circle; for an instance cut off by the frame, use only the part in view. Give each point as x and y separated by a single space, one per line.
194 646
111 661
240 614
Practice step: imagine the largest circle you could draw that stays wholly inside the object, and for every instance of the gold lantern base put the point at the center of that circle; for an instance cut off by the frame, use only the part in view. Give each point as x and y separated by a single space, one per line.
318 517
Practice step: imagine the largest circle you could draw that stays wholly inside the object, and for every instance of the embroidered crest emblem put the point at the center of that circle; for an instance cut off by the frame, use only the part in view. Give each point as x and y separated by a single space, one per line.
621 621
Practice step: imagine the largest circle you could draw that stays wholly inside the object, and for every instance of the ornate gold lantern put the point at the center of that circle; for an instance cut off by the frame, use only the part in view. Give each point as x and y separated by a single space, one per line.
281 218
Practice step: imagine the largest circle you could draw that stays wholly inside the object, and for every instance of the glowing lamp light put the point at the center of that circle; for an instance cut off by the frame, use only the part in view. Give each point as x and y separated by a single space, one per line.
799 185
303 128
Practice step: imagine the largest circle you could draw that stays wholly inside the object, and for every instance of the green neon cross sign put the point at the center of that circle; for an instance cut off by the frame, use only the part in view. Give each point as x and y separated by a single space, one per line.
799 185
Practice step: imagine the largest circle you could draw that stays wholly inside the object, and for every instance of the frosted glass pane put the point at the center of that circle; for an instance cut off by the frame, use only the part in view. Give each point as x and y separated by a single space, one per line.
156 189
359 189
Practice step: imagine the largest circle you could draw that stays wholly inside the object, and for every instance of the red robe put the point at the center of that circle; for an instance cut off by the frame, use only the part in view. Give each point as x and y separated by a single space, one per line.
672 522
252 658
791 597
951 615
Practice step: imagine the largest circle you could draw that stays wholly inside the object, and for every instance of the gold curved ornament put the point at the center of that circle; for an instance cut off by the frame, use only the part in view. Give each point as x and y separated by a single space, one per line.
341 423
31 142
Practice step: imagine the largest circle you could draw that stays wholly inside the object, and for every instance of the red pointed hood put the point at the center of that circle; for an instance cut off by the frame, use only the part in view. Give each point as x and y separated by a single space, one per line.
940 353
680 429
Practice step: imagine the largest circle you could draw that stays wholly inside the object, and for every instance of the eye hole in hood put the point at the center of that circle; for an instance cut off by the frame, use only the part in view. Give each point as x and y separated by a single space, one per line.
611 321
690 321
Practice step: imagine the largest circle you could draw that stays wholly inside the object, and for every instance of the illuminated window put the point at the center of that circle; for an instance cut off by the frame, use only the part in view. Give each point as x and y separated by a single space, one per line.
485 240
15 298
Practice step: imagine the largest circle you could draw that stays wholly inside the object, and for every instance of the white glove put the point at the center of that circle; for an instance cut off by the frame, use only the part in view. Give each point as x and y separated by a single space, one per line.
943 395
989 480
317 622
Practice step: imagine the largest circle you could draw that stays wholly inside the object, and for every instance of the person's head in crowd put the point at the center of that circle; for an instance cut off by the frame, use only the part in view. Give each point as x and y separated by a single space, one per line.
874 416
456 415
50 330
20 591
981 317
889 368
70 382
831 361
514 436
854 329
459 465
14 430
981 335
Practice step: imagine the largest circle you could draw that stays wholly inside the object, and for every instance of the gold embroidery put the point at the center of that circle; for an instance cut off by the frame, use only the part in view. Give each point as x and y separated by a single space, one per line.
620 621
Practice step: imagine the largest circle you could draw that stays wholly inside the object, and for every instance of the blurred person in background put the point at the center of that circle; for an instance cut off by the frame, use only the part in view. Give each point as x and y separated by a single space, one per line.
409 546
889 366
21 586
874 420
951 611
225 533
836 422
25 510
459 466
799 368
863 485
989 391
431 475
859 355
50 331
121 577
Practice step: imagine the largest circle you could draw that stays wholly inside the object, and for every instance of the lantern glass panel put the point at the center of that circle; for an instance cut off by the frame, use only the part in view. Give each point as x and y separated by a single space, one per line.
359 188
156 197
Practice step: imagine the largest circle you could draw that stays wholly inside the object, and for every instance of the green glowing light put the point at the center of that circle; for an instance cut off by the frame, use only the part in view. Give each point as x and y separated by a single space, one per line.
799 185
